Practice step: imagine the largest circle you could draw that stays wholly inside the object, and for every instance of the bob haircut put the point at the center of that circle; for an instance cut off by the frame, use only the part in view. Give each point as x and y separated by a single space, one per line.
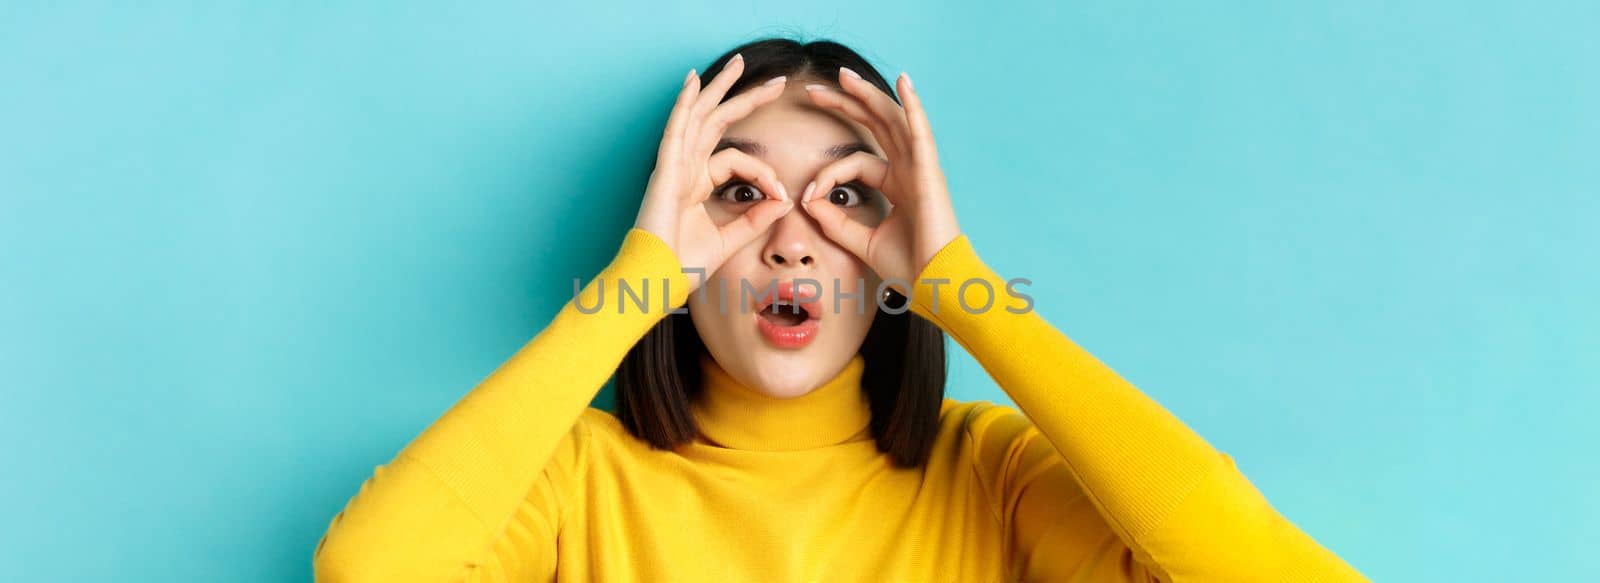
905 358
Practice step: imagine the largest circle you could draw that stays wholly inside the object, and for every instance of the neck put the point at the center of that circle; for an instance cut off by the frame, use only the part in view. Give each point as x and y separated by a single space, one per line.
731 414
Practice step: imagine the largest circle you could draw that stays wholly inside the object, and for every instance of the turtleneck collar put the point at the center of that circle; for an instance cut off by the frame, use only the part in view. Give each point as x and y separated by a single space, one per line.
735 416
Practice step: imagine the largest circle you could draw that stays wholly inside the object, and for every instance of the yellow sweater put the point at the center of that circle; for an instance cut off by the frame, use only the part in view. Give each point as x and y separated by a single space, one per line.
1091 481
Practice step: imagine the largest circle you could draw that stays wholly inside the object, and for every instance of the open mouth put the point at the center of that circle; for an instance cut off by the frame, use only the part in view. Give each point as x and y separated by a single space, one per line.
786 321
784 313
783 308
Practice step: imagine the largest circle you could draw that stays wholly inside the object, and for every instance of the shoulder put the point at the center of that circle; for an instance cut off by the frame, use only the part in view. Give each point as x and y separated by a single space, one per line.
594 428
605 436
997 436
600 425
985 420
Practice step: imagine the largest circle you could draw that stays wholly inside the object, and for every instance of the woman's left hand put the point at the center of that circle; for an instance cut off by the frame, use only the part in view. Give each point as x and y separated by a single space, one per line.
922 220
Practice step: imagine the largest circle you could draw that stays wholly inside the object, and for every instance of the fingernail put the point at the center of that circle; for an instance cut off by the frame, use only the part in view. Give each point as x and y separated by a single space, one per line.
736 57
806 196
688 78
776 80
847 71
908 79
816 87
783 191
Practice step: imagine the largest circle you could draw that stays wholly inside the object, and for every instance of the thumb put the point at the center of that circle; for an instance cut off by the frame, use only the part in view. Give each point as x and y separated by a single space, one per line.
755 220
853 236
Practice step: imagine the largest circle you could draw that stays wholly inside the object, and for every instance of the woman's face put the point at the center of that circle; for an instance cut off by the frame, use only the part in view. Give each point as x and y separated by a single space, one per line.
772 349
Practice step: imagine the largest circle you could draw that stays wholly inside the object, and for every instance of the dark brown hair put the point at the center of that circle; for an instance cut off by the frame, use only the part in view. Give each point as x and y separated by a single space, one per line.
905 354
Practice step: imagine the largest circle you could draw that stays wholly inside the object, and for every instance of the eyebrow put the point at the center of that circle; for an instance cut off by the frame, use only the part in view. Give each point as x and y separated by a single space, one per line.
755 148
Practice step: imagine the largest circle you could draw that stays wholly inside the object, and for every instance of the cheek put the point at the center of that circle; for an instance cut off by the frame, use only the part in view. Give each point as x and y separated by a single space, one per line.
717 306
850 269
857 280
711 305
722 212
873 212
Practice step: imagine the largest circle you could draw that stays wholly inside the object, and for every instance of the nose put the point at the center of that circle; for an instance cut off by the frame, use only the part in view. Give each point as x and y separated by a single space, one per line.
793 243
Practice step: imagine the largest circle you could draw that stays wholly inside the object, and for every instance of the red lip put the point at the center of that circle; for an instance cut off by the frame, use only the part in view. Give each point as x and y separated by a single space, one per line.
798 335
784 291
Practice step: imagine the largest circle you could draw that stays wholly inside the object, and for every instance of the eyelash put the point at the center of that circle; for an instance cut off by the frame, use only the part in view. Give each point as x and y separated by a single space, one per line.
732 186
861 192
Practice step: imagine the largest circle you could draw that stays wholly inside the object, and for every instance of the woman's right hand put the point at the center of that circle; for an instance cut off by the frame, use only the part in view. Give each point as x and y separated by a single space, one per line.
687 172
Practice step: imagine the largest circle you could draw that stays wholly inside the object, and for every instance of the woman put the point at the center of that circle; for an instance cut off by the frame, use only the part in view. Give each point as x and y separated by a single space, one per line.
799 432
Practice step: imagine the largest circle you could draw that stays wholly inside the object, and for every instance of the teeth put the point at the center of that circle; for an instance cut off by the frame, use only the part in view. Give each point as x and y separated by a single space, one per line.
786 307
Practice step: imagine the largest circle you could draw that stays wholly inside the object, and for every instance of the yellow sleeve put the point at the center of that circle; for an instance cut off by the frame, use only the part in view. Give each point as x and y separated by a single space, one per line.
477 495
1085 438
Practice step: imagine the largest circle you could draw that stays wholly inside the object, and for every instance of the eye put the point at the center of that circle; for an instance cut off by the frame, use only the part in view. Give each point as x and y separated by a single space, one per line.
846 195
740 192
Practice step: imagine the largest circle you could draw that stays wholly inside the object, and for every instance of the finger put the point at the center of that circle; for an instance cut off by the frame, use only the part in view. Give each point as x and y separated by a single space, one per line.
854 236
922 144
672 136
879 103
852 107
679 117
869 169
725 165
753 222
736 109
712 95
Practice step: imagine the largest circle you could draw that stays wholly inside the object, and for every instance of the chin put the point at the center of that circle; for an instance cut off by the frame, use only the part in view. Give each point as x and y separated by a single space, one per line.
788 373
776 368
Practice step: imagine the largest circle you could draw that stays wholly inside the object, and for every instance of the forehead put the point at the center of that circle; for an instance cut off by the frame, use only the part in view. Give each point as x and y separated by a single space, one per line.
791 127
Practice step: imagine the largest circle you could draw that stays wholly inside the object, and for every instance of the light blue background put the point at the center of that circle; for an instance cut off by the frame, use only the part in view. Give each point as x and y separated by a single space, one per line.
247 252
